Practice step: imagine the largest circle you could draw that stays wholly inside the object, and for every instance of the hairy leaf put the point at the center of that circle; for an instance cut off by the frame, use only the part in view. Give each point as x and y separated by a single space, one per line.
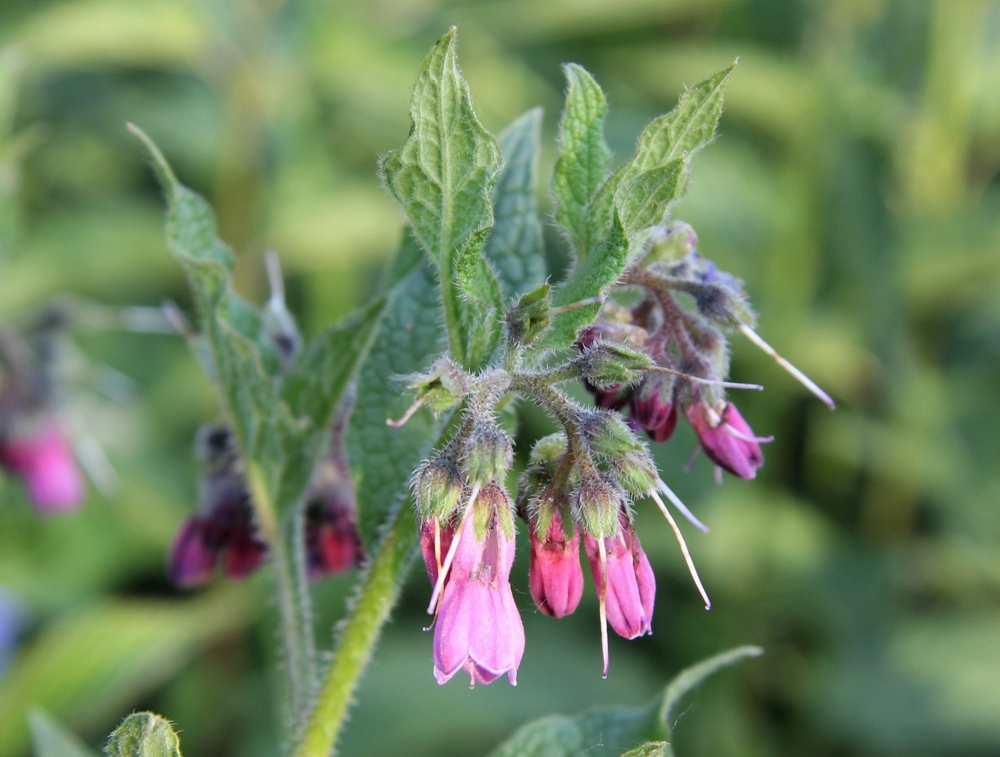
410 335
50 739
443 177
675 136
143 734
590 279
650 749
515 248
280 425
610 731
583 160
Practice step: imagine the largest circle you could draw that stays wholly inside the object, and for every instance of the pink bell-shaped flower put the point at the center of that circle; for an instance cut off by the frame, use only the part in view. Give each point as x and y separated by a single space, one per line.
630 584
727 439
478 626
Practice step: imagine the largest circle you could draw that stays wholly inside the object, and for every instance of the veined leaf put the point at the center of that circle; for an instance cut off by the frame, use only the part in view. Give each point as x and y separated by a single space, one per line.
280 425
50 739
410 334
675 136
590 279
515 248
443 177
610 731
143 734
583 160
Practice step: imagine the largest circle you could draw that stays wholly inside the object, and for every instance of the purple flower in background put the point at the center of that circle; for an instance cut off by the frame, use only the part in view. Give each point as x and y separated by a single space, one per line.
44 462
555 576
727 439
478 626
333 543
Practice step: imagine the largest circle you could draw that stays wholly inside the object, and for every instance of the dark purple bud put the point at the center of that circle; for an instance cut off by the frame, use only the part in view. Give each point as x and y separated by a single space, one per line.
244 555
44 462
612 398
653 402
555 576
727 439
664 432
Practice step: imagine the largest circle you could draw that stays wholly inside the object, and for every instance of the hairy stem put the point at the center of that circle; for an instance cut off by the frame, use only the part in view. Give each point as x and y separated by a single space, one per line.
379 590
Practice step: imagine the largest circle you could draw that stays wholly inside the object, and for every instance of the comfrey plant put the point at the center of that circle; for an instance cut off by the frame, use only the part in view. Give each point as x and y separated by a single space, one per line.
309 476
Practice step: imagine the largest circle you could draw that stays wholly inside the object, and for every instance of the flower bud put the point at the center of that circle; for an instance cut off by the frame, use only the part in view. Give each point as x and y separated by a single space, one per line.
437 487
606 365
652 403
333 542
727 439
608 435
488 454
596 504
555 576
674 242
635 473
529 319
443 387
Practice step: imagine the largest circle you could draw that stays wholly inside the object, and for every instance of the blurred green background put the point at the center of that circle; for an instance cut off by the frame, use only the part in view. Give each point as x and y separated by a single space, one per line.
855 187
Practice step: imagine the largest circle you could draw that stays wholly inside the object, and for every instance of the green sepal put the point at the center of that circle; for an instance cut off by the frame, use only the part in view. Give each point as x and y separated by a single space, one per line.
143 734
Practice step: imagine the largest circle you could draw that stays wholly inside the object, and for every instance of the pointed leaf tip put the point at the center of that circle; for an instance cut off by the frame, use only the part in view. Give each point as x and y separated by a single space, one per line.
691 678
164 173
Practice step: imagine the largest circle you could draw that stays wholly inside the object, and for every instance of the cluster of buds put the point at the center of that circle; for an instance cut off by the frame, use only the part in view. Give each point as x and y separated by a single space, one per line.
665 356
223 530
34 446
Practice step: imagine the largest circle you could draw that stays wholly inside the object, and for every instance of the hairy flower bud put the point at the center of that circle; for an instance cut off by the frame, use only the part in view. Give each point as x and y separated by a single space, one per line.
487 454
437 487
529 319
672 243
652 403
443 387
608 435
606 365
596 504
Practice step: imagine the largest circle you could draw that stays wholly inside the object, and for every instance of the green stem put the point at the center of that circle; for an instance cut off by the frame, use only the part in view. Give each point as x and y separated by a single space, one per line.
379 591
295 610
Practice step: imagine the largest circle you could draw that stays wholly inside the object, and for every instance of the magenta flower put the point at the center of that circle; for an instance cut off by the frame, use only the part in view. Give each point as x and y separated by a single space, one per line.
630 587
44 462
333 544
223 532
555 576
478 626
727 439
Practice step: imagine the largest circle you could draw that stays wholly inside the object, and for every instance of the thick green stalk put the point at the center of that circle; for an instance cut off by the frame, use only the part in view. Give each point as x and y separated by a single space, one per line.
379 591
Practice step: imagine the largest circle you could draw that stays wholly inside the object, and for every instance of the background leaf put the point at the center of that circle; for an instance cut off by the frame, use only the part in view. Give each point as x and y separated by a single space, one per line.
50 739
515 248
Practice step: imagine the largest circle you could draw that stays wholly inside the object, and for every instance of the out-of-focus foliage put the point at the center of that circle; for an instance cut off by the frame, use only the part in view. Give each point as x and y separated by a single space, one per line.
854 186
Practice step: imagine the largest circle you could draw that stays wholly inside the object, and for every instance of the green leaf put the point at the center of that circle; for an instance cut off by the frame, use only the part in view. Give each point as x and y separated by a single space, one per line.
609 731
50 739
143 734
443 177
515 248
583 160
280 424
650 749
92 664
384 458
654 172
691 678
590 279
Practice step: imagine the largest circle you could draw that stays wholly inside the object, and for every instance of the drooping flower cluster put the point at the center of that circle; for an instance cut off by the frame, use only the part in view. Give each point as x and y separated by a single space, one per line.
665 356
223 530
